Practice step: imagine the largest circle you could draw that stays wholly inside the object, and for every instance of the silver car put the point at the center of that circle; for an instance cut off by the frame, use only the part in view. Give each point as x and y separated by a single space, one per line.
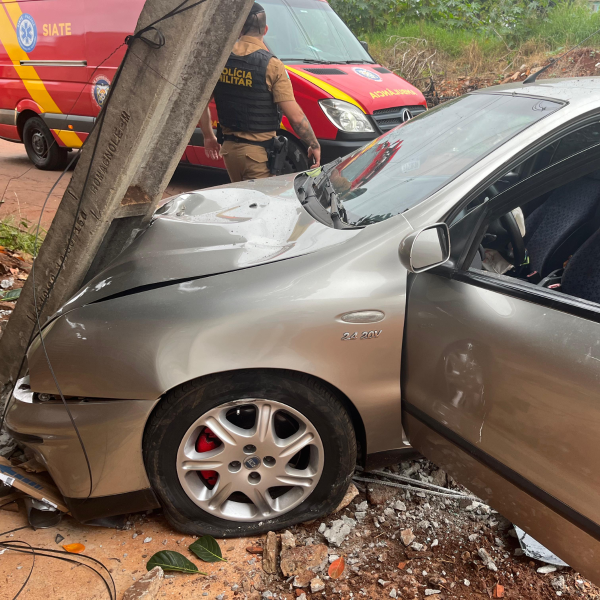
440 287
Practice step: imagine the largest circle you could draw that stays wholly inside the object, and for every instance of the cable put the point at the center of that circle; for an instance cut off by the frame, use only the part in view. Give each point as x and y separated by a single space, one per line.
110 585
30 570
416 489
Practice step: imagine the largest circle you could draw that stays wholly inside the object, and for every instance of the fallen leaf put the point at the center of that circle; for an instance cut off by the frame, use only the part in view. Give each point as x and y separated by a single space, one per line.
169 560
255 549
402 565
498 591
336 568
207 549
74 548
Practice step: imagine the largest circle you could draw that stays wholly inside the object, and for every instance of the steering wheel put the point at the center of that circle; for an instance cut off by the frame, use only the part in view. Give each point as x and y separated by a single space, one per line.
509 223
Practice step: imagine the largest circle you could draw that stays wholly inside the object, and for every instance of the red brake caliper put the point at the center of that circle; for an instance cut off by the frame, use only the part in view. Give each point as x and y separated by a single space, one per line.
208 441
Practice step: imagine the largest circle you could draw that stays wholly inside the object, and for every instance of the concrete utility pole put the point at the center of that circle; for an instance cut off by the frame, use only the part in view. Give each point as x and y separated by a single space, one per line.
152 114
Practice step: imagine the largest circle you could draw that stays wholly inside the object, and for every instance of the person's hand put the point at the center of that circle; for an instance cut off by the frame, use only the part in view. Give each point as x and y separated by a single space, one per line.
212 148
315 154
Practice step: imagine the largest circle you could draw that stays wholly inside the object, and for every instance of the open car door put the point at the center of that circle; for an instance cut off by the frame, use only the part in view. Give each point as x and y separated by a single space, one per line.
501 379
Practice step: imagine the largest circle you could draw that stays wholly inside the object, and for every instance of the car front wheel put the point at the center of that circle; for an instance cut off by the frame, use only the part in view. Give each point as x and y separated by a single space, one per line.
246 453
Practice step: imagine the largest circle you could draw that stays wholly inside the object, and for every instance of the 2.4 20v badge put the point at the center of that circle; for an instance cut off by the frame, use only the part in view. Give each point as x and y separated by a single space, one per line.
365 335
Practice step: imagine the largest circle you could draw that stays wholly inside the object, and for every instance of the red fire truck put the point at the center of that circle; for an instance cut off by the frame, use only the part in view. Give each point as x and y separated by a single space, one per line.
55 75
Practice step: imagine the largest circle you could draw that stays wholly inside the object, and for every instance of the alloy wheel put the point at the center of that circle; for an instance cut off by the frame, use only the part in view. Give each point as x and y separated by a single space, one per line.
250 460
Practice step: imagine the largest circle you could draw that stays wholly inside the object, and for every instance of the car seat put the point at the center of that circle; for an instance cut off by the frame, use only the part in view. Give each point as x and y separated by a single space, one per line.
581 276
562 223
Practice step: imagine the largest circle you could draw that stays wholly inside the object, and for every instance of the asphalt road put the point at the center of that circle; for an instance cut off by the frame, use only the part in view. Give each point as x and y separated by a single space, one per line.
23 188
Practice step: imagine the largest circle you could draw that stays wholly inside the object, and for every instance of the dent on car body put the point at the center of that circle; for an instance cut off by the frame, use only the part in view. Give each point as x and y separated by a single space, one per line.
214 231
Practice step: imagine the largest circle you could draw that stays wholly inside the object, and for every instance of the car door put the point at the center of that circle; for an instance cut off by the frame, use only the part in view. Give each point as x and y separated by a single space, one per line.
500 382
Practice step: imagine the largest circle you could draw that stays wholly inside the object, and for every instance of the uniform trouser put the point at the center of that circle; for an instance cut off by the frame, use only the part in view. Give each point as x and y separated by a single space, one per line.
245 161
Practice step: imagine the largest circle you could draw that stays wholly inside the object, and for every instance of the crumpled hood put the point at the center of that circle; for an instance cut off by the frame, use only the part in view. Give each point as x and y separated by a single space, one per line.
212 231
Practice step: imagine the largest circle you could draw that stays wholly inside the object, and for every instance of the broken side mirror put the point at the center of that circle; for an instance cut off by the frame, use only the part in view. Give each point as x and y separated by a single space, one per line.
426 248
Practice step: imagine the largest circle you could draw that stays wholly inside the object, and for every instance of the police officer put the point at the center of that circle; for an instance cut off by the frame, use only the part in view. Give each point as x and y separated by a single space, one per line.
252 90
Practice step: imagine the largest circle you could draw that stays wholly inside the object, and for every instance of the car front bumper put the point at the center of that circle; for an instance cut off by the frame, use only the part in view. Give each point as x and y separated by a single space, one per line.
111 431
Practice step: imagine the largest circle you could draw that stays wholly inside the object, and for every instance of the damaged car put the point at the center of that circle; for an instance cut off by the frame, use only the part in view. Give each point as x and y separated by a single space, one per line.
437 289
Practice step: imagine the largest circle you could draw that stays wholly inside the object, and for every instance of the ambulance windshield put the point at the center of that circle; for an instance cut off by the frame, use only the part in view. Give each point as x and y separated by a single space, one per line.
310 31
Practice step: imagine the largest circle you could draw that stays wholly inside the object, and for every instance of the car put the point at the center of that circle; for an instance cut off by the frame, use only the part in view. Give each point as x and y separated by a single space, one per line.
437 289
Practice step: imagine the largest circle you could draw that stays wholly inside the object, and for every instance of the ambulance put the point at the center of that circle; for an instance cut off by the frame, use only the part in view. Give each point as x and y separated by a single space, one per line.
58 58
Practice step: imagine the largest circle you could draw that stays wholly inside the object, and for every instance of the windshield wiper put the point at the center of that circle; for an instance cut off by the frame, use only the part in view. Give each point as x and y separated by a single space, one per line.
316 61
358 62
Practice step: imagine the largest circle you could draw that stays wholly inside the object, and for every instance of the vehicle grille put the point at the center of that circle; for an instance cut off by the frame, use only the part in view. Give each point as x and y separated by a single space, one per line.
388 118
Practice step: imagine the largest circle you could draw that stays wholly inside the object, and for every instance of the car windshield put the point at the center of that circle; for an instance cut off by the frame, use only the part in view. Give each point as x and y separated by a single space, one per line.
403 167
310 31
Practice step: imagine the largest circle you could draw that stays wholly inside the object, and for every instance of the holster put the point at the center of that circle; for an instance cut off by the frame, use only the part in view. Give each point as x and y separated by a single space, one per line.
277 154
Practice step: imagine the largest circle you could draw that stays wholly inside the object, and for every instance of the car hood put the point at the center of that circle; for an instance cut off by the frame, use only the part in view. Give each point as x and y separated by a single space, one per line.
213 231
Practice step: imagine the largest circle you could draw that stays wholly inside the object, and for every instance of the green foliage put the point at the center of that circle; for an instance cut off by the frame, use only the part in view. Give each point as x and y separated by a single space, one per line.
10 296
506 19
172 561
19 236
207 549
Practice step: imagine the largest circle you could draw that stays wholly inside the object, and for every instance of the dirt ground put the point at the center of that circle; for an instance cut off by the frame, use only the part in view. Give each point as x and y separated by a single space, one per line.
395 544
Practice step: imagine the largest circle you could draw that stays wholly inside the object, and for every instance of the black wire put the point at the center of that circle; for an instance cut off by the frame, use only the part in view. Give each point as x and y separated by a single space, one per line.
42 552
30 570
17 529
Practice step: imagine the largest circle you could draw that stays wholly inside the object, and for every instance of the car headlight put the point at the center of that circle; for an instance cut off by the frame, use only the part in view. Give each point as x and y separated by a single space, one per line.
346 116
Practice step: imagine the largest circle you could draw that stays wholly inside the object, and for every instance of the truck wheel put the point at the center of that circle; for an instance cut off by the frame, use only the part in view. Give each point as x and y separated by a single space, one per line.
297 159
250 452
42 149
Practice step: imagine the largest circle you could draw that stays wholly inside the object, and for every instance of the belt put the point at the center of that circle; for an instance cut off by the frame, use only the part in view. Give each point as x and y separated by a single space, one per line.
238 140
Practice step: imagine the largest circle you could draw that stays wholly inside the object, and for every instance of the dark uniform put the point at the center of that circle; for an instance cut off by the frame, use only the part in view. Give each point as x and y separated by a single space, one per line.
251 85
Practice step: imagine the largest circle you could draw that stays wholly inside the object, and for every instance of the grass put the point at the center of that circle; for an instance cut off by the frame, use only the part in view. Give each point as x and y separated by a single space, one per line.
450 52
19 236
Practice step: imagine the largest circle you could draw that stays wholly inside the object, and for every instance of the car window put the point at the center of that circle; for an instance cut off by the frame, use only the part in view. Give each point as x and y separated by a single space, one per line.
403 167
573 142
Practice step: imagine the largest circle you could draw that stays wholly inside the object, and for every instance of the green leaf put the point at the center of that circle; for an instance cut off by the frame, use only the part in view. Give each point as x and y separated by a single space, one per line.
172 561
10 296
207 549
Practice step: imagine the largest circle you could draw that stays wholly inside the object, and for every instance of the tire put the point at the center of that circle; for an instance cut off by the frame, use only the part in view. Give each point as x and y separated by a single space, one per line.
297 158
41 147
332 453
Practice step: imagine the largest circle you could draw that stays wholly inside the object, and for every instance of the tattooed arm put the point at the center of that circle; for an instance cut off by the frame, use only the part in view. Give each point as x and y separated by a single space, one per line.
302 127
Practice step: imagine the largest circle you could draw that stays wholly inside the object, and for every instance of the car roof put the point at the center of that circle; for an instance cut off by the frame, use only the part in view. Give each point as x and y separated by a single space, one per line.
576 90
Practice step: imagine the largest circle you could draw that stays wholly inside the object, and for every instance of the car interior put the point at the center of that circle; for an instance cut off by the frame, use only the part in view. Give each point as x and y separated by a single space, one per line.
553 241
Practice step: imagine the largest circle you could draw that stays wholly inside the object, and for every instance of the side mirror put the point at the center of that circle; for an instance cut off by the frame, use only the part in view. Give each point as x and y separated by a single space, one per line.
426 248
365 45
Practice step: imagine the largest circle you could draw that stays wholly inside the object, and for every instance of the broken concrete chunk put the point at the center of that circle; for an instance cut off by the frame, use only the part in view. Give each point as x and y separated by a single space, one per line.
294 561
360 515
339 530
546 569
558 583
270 553
322 528
317 585
439 478
487 559
287 540
146 587
429 592
303 579
407 536
350 495
416 546
363 506
380 494
399 505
